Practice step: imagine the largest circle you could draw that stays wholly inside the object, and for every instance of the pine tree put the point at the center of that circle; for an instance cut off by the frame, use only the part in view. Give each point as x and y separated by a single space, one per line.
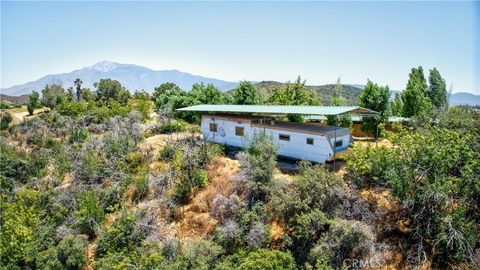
415 99
437 90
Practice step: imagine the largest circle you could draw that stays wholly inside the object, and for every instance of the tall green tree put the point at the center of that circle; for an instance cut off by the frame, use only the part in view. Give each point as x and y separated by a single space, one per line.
108 89
207 94
437 89
376 98
415 98
246 94
33 102
294 94
396 105
164 87
338 100
52 96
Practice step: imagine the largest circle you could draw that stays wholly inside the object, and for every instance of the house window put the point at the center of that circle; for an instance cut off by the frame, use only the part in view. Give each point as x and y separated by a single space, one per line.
338 143
284 137
310 141
239 131
213 127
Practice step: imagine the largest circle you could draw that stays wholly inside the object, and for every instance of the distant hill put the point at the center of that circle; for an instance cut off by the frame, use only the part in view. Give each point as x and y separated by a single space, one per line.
464 99
133 77
22 100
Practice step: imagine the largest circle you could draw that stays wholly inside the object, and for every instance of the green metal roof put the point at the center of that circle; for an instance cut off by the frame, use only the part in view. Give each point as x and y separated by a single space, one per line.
276 109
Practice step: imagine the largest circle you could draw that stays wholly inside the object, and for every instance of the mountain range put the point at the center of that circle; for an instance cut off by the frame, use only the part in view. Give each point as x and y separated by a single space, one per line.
135 77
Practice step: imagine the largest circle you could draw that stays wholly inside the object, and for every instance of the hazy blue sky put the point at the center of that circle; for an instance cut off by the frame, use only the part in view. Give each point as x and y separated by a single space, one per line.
320 41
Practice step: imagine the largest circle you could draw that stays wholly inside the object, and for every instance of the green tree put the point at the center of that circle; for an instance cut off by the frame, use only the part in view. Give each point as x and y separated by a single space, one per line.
376 98
437 89
396 106
142 94
33 102
415 99
52 96
293 94
245 94
111 89
206 94
88 95
68 95
338 100
163 88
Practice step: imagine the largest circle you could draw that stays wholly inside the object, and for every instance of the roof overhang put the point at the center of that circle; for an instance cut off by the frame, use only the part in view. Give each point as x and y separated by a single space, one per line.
281 110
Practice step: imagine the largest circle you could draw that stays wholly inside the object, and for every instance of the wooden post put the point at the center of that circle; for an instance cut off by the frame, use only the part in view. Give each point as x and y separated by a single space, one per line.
335 142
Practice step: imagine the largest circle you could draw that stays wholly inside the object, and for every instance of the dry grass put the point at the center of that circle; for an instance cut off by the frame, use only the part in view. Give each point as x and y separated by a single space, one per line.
277 231
196 220
90 253
278 175
372 142
391 226
381 198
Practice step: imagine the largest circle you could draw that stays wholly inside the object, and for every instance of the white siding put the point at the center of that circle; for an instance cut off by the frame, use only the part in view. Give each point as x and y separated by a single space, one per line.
297 147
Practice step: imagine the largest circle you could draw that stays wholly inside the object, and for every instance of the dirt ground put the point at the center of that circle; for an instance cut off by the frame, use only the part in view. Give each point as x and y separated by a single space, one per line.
196 220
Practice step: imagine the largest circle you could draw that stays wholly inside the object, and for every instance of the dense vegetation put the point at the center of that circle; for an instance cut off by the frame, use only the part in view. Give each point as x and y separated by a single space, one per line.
82 186
434 171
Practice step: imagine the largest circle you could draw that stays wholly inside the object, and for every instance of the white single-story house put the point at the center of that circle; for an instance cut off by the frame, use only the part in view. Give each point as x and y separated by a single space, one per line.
311 142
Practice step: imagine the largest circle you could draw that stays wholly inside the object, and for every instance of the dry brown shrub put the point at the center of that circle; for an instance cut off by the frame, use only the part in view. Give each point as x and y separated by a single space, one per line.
277 231
196 220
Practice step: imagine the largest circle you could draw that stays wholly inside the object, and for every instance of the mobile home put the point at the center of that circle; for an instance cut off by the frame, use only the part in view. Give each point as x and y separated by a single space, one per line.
300 141
311 142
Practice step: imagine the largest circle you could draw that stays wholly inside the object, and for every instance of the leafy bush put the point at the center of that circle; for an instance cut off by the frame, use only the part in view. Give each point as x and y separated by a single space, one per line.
90 169
226 208
71 252
79 134
185 185
122 236
259 259
247 230
112 198
369 164
6 118
258 165
89 213
345 240
13 167
48 259
136 161
140 184
19 220
172 126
